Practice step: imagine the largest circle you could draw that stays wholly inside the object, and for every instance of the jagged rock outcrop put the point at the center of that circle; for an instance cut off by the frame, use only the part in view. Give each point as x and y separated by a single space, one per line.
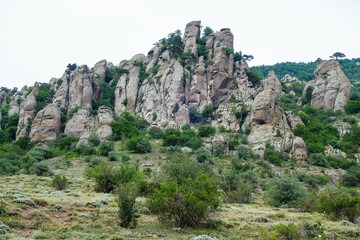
332 89
99 76
61 98
293 120
287 79
103 123
226 117
80 87
191 36
267 121
14 106
329 150
2 98
46 125
27 113
272 82
82 124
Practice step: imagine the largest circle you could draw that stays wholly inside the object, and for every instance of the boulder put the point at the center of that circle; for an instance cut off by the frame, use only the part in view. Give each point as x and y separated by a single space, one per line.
332 88
293 120
81 124
46 125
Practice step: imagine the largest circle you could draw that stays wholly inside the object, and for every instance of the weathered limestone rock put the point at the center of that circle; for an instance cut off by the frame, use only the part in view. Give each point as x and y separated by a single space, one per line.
81 124
226 118
191 35
2 98
293 120
61 98
99 76
103 123
329 150
287 79
80 88
46 125
332 89
14 106
27 113
182 116
299 150
267 120
272 82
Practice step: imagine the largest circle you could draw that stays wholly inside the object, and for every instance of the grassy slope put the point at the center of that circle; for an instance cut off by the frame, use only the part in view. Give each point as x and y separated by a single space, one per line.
79 221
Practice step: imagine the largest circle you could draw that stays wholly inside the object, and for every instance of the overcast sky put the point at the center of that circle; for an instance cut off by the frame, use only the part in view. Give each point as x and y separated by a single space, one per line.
39 38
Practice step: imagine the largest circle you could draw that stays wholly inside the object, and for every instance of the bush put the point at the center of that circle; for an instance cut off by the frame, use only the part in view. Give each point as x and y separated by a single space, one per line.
40 169
237 189
290 231
156 133
139 145
172 150
206 130
113 156
351 178
127 126
94 161
318 159
274 156
285 191
188 204
127 207
59 182
94 139
203 155
338 203
195 116
106 147
107 176
180 167
242 152
218 150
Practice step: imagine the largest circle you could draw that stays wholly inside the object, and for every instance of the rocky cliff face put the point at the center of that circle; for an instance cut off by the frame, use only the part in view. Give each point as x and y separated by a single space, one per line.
331 87
162 88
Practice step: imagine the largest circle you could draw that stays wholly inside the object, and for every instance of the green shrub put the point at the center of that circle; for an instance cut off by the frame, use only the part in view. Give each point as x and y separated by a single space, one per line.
195 116
128 126
274 156
156 133
127 207
351 178
242 152
318 159
188 138
338 203
139 145
94 161
203 155
314 181
108 176
218 150
40 169
188 204
236 188
285 191
180 167
206 130
106 147
113 156
172 150
209 112
94 139
289 232
59 182
233 143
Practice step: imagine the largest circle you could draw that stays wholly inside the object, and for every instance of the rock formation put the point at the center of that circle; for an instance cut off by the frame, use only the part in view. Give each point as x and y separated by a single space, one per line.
46 125
191 36
288 80
267 121
272 82
27 113
332 89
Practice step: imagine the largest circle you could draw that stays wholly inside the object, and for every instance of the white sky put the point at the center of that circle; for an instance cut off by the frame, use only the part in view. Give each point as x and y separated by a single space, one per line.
38 38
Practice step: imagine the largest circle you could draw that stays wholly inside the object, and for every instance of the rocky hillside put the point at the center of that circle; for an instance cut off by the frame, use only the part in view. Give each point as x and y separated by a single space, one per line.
179 76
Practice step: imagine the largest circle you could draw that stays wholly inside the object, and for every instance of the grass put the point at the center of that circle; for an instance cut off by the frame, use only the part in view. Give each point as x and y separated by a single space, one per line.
79 221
